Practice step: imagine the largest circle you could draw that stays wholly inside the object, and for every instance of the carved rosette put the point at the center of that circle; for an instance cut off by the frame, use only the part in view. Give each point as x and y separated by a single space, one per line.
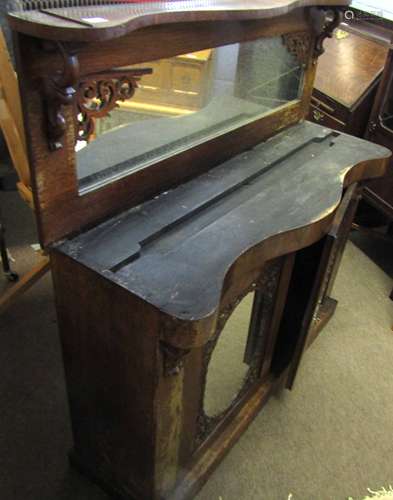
267 285
173 358
299 45
98 94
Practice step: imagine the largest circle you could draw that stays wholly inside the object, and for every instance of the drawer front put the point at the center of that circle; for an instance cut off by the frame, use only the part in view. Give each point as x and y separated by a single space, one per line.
330 106
317 115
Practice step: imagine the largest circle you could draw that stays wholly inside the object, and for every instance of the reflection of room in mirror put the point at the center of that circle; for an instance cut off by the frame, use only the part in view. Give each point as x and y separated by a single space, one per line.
171 105
227 370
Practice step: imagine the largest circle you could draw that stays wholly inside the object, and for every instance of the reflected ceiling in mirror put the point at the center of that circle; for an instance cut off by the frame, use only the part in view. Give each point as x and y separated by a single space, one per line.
130 118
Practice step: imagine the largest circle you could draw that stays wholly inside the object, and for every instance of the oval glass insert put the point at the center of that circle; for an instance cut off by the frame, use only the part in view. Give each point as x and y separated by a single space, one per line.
227 370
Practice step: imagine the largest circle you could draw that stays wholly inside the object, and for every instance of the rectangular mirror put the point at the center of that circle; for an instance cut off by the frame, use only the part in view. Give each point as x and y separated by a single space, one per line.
163 107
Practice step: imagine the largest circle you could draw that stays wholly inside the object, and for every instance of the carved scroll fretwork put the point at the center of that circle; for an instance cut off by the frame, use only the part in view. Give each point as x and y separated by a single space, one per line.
172 358
267 285
325 21
299 45
98 94
59 91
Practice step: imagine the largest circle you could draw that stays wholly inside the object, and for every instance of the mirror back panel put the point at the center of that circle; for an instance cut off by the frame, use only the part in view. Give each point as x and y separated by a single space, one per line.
171 105
122 128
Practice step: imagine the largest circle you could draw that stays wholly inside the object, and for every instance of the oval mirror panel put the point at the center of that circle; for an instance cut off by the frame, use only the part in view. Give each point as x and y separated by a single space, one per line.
227 370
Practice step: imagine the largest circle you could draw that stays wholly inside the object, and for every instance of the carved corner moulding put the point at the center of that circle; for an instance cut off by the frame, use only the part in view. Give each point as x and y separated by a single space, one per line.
59 91
324 21
93 96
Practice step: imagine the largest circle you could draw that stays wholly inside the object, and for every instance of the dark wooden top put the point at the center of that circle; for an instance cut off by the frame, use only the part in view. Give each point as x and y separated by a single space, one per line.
349 67
175 250
111 21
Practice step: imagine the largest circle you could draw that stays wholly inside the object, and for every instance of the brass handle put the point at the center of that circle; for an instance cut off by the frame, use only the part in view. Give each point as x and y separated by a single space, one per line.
318 115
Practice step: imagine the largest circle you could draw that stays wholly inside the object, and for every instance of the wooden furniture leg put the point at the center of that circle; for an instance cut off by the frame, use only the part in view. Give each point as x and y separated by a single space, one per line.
11 276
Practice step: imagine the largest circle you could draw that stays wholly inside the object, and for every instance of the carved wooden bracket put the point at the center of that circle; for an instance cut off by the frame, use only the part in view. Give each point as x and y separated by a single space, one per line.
93 97
98 94
173 358
59 91
299 45
325 21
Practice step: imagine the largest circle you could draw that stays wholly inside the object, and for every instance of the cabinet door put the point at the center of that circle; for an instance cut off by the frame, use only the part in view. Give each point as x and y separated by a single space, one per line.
379 192
328 256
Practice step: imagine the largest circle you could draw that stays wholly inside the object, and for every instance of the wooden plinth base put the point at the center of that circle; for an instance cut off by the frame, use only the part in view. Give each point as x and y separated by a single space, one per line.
208 458
205 462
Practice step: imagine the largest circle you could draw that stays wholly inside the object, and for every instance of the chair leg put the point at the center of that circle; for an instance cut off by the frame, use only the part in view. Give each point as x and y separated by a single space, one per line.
11 276
26 282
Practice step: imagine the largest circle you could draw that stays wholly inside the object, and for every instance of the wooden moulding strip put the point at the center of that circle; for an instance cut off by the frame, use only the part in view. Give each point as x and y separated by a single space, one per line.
205 463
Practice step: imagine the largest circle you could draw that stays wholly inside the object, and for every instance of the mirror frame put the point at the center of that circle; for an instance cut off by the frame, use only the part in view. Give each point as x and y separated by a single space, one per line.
61 211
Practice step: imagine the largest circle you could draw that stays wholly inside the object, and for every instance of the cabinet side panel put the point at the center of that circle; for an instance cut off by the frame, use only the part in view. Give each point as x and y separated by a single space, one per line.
109 348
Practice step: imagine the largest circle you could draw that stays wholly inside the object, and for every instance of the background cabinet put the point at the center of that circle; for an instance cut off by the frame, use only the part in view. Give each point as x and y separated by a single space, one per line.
346 82
380 130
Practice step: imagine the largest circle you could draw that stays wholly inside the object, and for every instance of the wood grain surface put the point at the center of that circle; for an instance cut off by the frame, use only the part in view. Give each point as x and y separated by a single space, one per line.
348 67
117 21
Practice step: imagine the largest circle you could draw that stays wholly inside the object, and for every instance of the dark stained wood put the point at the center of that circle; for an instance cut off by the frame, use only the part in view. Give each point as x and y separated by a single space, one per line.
317 267
164 255
379 193
127 18
371 194
89 368
180 38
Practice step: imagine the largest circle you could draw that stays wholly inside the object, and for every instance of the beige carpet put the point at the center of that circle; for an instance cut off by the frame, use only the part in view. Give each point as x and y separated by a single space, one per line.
331 438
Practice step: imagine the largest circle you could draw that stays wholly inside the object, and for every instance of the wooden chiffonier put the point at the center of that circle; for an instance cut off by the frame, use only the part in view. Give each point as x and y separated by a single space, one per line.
346 82
192 252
